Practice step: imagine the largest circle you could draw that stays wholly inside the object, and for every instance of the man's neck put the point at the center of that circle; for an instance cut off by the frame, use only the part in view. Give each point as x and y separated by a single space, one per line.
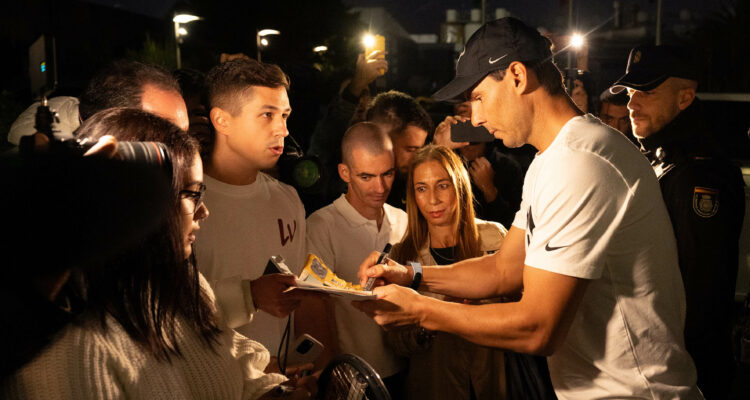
551 113
373 214
229 168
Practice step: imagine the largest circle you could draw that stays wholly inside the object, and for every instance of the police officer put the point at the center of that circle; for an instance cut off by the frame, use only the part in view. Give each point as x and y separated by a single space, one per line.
704 194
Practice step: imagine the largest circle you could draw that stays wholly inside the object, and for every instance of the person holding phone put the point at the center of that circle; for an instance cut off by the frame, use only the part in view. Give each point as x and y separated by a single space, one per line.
496 177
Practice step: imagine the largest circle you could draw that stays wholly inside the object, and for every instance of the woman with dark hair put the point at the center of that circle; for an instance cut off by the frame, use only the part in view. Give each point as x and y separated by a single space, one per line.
442 230
148 326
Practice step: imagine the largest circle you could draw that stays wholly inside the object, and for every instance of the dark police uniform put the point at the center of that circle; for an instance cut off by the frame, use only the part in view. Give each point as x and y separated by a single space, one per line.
704 194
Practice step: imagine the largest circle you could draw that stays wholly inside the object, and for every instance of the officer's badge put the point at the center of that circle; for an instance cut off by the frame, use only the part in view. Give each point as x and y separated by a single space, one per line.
705 201
637 57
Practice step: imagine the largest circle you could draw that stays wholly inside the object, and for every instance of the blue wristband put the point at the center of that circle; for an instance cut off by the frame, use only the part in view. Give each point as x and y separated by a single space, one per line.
417 280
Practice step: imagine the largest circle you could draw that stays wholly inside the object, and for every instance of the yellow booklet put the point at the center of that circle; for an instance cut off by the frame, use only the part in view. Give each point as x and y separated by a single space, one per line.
317 277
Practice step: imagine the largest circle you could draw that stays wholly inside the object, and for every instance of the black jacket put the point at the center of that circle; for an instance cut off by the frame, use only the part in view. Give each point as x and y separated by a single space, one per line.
704 194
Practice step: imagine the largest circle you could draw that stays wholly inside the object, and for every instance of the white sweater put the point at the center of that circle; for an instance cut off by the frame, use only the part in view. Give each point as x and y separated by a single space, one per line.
85 363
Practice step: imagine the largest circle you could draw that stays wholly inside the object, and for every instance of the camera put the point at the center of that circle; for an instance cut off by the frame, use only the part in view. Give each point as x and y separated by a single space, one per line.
144 153
43 75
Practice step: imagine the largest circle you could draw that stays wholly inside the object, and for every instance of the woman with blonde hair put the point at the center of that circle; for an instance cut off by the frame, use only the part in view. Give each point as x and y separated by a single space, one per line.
442 230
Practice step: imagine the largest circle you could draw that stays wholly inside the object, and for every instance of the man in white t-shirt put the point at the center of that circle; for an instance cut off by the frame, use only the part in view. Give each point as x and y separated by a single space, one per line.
591 249
253 216
343 233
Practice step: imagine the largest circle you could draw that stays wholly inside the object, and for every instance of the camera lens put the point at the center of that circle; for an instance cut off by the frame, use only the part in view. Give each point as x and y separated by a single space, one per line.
149 153
146 153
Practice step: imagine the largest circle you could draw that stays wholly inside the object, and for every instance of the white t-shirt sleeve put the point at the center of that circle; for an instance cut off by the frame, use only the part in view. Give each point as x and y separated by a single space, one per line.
573 207
319 238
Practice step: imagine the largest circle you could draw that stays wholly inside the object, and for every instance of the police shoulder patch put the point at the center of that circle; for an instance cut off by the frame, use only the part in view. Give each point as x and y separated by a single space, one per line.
705 201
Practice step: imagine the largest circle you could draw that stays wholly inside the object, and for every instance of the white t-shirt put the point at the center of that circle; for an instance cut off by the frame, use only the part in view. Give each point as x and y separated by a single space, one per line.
343 238
592 209
246 226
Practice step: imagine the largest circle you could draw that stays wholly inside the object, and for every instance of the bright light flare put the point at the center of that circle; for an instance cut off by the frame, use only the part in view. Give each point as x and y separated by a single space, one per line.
264 42
577 41
182 31
266 32
368 40
320 49
185 18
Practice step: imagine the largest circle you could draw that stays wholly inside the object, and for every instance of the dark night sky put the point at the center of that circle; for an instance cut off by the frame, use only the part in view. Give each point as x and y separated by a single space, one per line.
419 16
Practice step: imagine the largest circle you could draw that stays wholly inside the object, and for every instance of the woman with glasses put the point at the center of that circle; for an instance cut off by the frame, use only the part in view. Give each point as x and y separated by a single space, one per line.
442 230
147 325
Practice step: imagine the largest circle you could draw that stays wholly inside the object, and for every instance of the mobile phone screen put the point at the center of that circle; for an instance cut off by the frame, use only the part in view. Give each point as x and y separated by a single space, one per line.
466 132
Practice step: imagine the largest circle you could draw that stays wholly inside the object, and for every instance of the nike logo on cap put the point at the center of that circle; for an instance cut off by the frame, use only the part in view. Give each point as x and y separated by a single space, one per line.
496 60
549 248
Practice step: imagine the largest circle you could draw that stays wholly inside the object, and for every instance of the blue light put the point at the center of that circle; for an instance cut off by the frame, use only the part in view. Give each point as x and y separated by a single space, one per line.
43 66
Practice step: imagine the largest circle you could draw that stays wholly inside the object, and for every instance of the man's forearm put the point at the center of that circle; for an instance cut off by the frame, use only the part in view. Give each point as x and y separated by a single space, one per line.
501 325
537 324
482 277
475 278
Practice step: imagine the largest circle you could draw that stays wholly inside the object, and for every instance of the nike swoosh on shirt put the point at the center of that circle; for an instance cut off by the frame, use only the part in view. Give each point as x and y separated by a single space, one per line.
549 248
496 60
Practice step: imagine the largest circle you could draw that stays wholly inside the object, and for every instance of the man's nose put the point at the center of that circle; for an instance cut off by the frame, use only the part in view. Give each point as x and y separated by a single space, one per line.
380 184
477 114
280 128
634 103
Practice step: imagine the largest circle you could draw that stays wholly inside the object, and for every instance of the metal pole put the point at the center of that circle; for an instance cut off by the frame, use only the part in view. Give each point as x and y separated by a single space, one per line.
177 44
569 77
658 22
257 44
484 11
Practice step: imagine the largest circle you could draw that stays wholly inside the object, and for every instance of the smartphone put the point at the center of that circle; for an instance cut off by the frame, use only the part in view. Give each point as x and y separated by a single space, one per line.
276 265
305 349
466 132
378 43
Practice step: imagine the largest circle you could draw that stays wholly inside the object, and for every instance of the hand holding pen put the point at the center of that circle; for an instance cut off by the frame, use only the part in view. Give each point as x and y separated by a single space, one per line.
383 258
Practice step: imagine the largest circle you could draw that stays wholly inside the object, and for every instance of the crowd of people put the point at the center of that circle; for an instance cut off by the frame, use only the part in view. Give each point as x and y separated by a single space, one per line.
570 257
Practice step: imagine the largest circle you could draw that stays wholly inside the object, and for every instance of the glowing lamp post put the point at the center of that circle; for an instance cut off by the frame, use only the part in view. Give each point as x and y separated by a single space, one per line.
180 32
260 38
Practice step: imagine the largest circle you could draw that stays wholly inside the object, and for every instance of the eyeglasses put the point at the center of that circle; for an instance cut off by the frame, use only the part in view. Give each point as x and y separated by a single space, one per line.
196 198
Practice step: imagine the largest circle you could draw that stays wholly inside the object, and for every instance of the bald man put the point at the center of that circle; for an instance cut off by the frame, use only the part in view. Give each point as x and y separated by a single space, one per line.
343 233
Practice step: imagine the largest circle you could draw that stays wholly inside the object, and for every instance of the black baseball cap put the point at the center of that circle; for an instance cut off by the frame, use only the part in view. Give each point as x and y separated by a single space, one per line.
493 47
649 66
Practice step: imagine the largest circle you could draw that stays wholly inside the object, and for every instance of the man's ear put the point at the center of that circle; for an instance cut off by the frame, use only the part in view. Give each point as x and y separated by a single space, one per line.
221 120
685 97
518 75
344 173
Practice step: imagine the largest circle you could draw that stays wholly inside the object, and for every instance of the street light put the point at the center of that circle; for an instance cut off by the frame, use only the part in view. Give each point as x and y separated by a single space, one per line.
320 49
180 32
260 39
576 41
